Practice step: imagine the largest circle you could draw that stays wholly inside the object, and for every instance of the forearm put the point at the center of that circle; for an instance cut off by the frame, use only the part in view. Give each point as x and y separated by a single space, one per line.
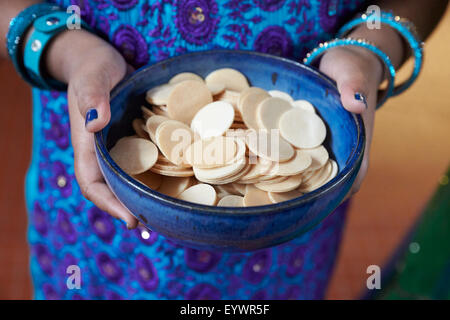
8 10
388 40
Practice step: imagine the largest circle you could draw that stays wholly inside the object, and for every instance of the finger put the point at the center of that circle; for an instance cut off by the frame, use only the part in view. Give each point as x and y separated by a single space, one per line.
91 91
87 172
354 93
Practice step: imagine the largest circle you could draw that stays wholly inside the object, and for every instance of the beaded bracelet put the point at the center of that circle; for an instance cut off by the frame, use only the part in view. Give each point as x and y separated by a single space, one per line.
17 29
318 51
405 28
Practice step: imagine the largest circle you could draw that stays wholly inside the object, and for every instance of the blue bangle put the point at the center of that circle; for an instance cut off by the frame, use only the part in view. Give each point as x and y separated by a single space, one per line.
318 51
406 29
45 29
17 29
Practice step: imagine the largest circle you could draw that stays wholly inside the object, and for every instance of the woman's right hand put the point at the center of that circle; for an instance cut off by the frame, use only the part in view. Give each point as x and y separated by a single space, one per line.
91 67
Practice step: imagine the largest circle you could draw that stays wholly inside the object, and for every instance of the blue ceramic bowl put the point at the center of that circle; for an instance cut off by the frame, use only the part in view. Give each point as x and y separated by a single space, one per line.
234 229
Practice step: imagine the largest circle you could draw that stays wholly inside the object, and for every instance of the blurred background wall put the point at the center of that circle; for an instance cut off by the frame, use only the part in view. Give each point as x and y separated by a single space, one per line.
410 153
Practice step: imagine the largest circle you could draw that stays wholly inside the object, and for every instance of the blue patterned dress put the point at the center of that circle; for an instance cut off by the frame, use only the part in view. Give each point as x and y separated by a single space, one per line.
65 229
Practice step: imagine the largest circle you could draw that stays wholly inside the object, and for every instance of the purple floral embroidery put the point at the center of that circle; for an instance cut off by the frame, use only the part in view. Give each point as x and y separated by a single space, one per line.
61 179
197 20
44 258
274 40
203 291
111 295
40 219
146 273
67 261
41 186
328 14
291 293
103 25
65 228
295 262
49 292
109 268
257 266
124 4
86 11
200 260
58 132
175 288
260 295
269 5
77 296
132 45
102 224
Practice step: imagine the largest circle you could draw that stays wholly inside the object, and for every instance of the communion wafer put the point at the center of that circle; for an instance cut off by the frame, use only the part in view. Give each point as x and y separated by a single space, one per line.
319 157
138 127
318 178
289 184
173 173
150 179
173 186
211 153
172 138
220 172
240 188
186 98
277 197
301 128
159 95
269 146
152 124
304 104
200 193
269 112
146 112
333 173
282 95
230 179
134 155
231 201
216 88
256 197
183 76
249 108
298 164
213 120
231 78
249 90
220 115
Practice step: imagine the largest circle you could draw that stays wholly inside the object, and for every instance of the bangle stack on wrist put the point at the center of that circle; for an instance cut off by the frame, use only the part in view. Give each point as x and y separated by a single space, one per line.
47 22
406 30
323 47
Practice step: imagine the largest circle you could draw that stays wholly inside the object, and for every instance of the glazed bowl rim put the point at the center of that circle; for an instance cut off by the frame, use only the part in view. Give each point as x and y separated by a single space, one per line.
351 163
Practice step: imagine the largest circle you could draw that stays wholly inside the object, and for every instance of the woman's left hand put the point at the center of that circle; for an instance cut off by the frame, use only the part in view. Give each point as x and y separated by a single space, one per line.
358 74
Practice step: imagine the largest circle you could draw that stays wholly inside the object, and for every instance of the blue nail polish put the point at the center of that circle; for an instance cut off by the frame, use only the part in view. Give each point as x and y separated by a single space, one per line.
362 98
91 115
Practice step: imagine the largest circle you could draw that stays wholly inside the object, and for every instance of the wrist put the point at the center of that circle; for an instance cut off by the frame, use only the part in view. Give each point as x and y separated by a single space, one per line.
386 39
64 54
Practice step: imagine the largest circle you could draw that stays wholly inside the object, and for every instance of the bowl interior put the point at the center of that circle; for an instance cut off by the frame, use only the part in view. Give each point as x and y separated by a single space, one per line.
265 71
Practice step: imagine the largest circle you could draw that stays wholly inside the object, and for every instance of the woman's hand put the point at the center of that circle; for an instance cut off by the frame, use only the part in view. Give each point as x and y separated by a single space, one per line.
358 74
91 67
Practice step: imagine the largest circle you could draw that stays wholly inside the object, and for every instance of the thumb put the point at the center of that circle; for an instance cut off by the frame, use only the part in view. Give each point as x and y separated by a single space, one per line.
354 93
91 92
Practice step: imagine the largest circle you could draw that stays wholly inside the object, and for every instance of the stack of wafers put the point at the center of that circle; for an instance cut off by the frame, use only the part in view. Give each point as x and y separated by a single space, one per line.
218 141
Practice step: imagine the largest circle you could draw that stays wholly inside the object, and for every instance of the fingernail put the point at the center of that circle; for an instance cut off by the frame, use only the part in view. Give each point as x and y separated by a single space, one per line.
91 115
362 98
